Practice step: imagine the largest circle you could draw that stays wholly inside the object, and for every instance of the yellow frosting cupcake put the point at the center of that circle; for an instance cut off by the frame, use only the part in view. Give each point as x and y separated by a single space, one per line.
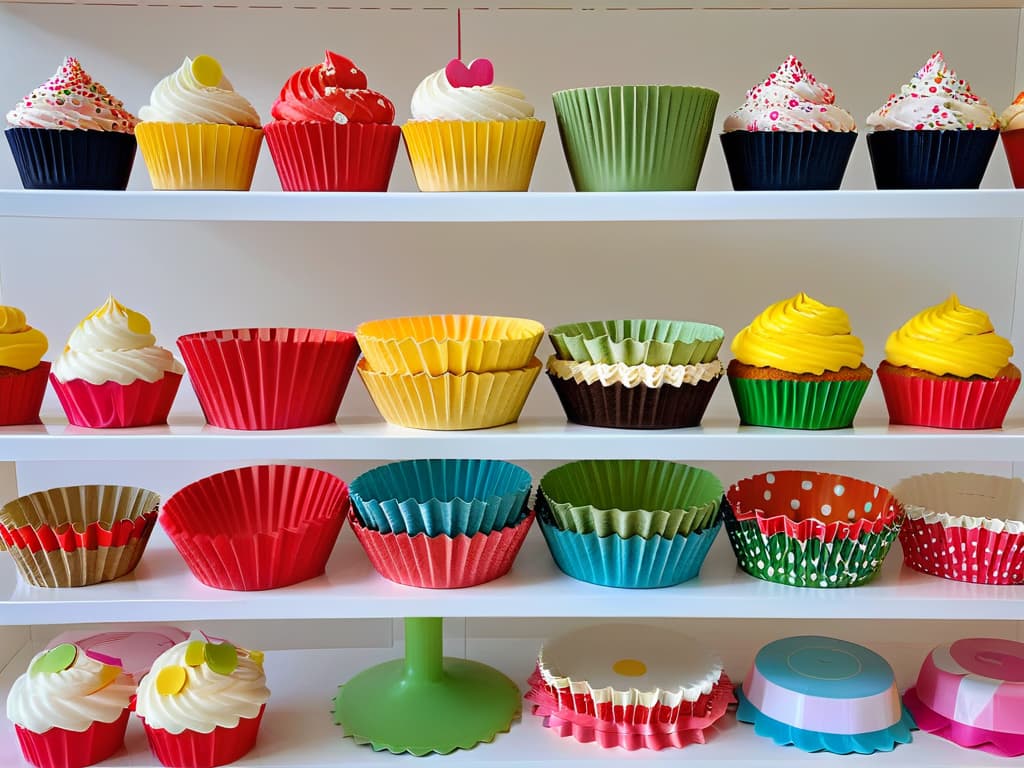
21 346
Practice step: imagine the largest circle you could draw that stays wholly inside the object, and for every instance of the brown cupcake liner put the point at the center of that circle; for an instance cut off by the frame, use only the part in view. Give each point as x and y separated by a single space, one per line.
80 567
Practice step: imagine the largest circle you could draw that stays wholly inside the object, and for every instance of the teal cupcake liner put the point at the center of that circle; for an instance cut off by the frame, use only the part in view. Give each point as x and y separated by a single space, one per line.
797 404
441 496
637 342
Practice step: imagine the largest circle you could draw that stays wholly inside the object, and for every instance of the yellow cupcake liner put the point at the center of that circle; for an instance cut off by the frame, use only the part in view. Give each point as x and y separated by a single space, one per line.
199 155
467 156
458 344
470 401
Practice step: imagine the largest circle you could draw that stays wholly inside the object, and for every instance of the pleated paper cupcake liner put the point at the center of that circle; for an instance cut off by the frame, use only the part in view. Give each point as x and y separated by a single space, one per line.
946 403
787 160
191 749
60 748
456 344
257 528
21 395
80 567
466 156
968 736
269 378
470 401
637 342
112 406
328 157
794 404
68 538
441 496
443 562
958 553
199 155
635 137
1013 144
56 159
951 159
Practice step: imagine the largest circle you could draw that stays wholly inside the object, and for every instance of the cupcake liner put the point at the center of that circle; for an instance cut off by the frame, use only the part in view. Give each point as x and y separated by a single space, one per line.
637 342
1013 144
443 562
950 159
199 155
56 159
257 528
467 156
787 160
60 748
635 137
21 395
792 404
191 749
441 496
328 157
470 401
970 737
111 405
456 344
269 378
946 403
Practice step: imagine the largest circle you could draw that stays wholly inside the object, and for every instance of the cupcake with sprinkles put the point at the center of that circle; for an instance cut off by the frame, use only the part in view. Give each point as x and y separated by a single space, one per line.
71 133
789 133
934 133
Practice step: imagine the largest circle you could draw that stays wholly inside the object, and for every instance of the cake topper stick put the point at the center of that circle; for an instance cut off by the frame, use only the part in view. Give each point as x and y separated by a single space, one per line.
479 72
458 27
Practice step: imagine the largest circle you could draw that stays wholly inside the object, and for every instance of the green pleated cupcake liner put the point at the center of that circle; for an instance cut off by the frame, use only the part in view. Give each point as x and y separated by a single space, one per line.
629 138
637 342
797 404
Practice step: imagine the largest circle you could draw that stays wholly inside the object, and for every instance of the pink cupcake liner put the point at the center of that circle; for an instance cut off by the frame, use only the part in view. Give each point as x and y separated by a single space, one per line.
68 539
21 395
111 405
190 749
60 748
959 553
947 403
968 736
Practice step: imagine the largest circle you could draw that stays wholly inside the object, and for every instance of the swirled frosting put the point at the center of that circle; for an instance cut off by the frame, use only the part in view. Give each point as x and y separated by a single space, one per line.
86 692
799 335
182 98
332 91
631 376
935 99
72 100
950 338
21 345
437 99
790 99
114 343
206 699
1012 118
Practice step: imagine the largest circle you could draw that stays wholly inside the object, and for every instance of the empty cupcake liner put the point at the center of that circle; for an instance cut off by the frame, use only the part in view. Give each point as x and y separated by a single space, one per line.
328 157
58 159
946 403
111 405
441 496
1013 144
457 344
60 748
191 749
443 562
787 160
795 404
21 395
199 155
936 159
637 342
269 378
470 401
967 736
257 528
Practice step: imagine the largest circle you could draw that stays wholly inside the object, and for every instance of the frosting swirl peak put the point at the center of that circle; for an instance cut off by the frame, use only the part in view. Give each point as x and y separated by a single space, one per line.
437 99
1012 118
332 91
182 97
21 345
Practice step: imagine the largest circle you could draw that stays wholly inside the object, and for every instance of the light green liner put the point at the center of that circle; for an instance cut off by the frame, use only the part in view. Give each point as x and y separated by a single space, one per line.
638 342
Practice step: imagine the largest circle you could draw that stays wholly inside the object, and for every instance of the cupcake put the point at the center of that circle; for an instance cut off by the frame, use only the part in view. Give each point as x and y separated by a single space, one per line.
197 132
468 134
798 366
70 709
202 702
112 373
330 132
946 367
788 134
935 133
1011 121
70 133
23 373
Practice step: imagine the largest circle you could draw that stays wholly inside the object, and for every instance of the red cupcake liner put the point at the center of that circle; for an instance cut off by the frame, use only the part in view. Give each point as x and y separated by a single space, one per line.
442 562
68 539
976 555
946 403
270 378
257 528
328 157
1013 143
111 405
60 748
21 395
190 749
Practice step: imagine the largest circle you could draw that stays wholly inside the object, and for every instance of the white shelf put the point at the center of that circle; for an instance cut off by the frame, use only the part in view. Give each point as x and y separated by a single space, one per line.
552 5
298 730
162 589
514 206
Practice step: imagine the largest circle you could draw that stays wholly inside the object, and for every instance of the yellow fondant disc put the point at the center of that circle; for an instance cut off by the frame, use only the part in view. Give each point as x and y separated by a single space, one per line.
195 653
629 668
207 71
171 680
108 674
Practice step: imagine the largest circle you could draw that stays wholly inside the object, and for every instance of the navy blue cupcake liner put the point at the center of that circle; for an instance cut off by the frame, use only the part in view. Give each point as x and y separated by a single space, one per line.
55 159
951 159
787 160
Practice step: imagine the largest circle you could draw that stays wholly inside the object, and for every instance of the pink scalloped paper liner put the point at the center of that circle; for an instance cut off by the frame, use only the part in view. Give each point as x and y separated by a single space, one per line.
112 406
992 742
975 555
947 403
68 539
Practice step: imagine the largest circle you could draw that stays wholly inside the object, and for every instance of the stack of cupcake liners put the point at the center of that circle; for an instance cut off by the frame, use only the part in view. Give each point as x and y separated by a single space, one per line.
810 529
629 523
635 374
442 523
449 372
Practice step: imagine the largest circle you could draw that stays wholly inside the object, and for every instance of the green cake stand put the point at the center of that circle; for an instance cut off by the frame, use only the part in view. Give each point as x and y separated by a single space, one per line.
425 702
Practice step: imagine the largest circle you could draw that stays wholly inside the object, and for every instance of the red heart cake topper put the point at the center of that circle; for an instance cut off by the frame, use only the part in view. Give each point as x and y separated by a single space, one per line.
479 72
